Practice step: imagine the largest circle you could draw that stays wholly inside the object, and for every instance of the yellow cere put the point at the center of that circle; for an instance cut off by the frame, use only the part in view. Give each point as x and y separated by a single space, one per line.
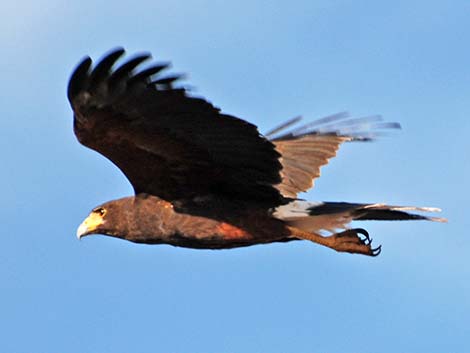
93 221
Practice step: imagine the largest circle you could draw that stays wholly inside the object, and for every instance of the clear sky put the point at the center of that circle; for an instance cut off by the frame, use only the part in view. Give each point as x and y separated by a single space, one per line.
264 61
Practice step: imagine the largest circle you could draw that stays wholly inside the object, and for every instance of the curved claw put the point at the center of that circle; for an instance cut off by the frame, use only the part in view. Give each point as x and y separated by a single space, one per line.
368 241
363 232
376 252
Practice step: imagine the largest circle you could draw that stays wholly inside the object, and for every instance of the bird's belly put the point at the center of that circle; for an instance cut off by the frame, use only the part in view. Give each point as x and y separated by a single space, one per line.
212 234
203 233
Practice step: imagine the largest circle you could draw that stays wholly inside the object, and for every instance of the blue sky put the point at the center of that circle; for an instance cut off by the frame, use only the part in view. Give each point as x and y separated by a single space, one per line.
265 62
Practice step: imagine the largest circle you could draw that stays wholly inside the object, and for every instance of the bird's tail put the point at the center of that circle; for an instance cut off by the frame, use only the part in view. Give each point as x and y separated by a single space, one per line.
334 216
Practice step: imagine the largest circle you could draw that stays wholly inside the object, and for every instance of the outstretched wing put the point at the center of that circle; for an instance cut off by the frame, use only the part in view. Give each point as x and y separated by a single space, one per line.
166 142
305 149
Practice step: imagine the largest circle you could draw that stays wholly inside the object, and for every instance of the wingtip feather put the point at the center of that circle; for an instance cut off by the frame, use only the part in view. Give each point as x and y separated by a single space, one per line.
102 69
125 70
79 77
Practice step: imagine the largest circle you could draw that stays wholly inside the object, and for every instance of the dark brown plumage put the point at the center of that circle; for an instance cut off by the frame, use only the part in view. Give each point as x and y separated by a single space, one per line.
204 179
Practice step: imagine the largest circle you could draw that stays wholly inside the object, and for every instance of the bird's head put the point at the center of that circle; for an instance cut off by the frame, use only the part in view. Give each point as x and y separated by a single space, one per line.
107 219
136 219
94 223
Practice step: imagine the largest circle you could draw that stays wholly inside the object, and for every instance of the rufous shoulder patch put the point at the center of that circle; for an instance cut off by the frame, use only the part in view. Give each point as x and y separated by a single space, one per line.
165 204
231 232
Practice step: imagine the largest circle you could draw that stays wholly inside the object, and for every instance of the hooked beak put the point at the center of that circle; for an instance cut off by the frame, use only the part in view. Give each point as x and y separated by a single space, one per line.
82 230
89 225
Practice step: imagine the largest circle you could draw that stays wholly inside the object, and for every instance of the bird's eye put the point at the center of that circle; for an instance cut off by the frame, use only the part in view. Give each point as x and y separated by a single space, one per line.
100 210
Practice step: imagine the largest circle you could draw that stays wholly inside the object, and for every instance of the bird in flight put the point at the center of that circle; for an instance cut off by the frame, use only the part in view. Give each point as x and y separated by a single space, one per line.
207 180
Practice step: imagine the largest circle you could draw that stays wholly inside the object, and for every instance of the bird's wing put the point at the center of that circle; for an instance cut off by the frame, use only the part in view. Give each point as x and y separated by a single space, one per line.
166 142
305 149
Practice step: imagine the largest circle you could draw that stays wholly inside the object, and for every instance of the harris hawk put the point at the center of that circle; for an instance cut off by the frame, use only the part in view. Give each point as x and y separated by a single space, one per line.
204 179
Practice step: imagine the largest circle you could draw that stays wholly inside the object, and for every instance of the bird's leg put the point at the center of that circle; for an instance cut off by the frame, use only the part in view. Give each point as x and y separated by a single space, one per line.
354 241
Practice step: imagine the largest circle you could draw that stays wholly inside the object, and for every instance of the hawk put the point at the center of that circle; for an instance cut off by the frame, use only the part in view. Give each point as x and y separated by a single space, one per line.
208 180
